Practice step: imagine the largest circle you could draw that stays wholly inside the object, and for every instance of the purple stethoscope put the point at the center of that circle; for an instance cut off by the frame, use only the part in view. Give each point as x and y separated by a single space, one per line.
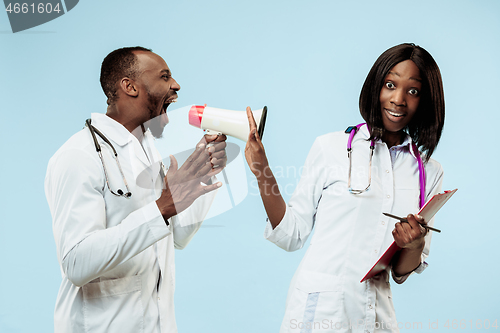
351 130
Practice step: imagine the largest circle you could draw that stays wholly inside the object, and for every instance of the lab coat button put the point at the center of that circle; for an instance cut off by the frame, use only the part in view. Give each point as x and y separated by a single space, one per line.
387 171
388 196
383 222
370 306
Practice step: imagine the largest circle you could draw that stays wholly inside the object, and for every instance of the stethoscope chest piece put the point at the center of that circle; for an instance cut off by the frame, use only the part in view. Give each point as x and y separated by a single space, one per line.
351 130
93 132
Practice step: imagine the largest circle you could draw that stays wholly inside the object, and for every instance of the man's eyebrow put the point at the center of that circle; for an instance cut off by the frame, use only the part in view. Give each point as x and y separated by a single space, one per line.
166 71
411 78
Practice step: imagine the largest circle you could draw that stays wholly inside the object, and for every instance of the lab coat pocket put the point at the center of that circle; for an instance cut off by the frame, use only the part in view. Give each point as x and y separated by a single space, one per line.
385 305
113 305
318 299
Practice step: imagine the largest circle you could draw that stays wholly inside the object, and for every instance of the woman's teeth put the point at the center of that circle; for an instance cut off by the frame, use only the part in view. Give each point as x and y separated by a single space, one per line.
394 114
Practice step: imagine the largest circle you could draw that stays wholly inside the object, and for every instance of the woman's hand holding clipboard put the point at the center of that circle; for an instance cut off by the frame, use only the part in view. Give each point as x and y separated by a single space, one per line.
431 207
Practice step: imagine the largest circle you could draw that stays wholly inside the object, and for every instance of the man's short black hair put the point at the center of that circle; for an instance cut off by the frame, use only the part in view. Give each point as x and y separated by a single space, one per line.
118 64
427 124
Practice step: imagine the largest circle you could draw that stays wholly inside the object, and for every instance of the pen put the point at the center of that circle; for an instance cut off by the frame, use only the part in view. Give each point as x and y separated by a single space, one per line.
403 219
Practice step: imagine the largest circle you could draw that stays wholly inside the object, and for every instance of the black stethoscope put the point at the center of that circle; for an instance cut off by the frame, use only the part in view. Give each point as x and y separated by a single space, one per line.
93 131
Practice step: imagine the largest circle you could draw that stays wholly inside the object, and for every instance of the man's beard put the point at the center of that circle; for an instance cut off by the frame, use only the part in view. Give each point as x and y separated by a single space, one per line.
154 123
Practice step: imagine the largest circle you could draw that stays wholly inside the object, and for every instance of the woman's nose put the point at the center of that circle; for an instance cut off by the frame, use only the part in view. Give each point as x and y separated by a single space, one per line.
398 98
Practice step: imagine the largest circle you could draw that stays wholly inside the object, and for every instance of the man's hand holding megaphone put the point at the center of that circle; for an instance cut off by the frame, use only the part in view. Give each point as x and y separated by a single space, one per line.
193 179
257 161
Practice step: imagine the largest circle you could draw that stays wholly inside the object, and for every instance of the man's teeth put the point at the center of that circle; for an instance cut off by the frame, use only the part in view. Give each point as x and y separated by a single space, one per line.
395 114
167 103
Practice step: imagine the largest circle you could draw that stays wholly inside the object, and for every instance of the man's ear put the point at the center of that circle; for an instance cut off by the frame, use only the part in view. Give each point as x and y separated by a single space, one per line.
129 87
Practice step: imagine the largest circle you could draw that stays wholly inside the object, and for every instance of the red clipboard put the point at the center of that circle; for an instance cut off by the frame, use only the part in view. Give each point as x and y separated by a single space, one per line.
431 207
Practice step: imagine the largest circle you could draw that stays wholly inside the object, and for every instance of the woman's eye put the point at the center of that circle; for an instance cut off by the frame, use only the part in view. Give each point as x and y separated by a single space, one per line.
390 85
413 92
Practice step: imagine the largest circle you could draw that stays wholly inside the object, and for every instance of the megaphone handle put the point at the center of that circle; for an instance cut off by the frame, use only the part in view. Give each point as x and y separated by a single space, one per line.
212 132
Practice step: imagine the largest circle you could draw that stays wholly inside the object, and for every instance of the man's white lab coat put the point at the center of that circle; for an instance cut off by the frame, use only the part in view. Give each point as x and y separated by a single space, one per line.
116 254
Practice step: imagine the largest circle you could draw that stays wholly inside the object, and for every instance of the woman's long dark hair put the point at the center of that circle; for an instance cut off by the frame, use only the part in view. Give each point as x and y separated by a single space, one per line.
427 124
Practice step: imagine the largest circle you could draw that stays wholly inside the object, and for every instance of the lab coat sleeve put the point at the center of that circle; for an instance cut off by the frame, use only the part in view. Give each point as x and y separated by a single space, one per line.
187 222
434 178
86 249
297 223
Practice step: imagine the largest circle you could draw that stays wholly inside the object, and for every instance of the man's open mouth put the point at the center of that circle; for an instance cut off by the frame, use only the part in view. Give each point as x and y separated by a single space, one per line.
169 101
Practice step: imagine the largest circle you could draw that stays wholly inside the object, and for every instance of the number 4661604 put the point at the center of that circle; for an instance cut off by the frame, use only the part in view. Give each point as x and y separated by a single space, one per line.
478 324
24 8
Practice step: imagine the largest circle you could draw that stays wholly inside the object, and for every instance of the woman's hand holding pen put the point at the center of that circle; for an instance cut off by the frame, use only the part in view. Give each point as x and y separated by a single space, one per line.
410 235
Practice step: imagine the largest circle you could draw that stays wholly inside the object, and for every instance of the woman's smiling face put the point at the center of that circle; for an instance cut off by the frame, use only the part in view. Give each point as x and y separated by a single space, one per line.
400 96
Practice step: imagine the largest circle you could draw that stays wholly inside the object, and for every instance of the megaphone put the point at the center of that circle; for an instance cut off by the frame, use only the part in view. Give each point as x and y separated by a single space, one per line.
229 122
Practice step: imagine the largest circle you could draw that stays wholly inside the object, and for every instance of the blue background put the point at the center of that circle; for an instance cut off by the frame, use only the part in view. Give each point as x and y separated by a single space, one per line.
307 63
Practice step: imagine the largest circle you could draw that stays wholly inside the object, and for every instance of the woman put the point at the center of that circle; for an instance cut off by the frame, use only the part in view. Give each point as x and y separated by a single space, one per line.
402 102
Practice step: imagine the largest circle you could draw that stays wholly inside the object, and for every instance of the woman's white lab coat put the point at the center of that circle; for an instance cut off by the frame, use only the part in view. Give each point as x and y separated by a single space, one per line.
351 233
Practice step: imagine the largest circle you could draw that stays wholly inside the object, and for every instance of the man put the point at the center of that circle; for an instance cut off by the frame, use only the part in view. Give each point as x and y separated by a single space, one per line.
116 219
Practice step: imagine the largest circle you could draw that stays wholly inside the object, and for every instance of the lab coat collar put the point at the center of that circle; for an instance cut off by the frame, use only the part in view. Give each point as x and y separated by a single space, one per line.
407 142
117 133
111 128
365 134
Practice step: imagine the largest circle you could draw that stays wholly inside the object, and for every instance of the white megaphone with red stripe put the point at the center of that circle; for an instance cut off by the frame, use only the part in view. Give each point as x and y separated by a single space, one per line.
228 122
